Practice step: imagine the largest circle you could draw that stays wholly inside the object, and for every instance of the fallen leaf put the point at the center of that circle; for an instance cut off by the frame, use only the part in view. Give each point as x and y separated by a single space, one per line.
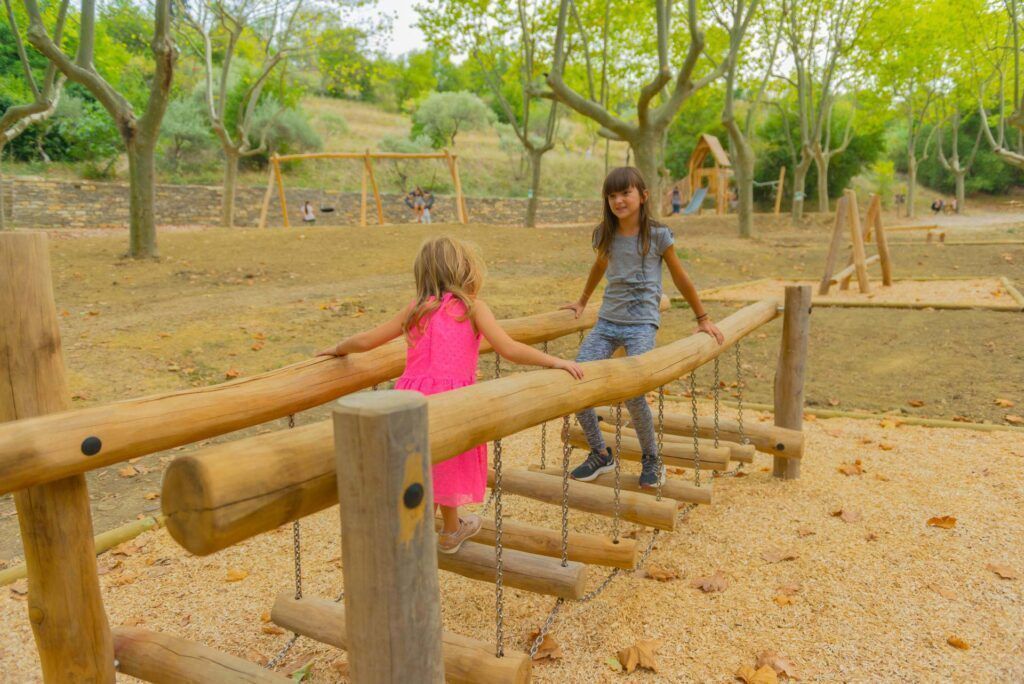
957 642
961 419
888 423
641 655
122 580
257 346
866 440
834 433
810 417
916 403
340 666
258 336
804 532
613 663
128 471
265 616
271 629
255 656
548 648
783 600
232 373
778 555
1003 570
946 522
885 446
185 620
780 664
299 674
847 515
151 496
854 468
1004 403
942 591
19 589
660 574
881 477
871 536
762 675
716 582
236 575
1013 420
833 402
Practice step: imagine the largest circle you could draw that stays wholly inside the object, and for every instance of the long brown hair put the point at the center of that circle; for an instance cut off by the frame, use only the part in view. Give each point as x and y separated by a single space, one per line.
619 180
444 265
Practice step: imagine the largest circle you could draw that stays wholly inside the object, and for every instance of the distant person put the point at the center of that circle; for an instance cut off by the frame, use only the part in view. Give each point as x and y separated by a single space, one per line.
428 202
677 201
937 205
442 328
307 213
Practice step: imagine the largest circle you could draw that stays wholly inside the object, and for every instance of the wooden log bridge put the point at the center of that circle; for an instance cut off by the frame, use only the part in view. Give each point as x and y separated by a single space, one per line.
673 488
38 450
230 492
768 439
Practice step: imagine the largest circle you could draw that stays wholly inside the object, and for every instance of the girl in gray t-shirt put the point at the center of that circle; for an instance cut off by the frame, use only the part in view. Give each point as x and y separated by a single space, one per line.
631 248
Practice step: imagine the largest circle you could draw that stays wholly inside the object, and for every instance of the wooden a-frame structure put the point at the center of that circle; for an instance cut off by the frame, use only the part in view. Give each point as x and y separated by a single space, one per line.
847 214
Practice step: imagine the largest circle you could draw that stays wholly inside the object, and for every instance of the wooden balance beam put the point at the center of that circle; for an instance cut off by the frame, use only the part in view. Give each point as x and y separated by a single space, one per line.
162 658
843 276
226 493
465 660
673 488
520 570
768 439
590 549
672 453
634 507
741 453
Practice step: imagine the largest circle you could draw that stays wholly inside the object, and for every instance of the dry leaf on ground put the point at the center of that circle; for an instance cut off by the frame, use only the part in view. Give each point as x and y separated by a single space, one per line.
236 575
790 588
957 642
783 600
762 675
942 591
779 663
548 649
778 555
1013 420
660 574
19 589
257 346
854 468
885 446
804 532
640 654
946 522
232 373
916 403
151 496
716 582
340 666
271 629
1003 570
1004 403
128 471
613 663
846 515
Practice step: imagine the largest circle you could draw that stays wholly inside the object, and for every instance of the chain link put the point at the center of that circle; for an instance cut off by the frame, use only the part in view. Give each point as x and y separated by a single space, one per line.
696 429
545 628
499 561
566 452
297 550
739 395
618 472
717 395
660 464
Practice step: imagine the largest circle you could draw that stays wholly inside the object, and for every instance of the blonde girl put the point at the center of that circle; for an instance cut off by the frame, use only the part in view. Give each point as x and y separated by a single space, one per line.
442 328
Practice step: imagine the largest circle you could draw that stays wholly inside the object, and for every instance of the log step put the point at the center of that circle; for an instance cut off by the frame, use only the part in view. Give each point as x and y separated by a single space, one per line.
590 549
768 439
741 453
465 660
634 507
674 489
521 570
847 272
672 454
157 657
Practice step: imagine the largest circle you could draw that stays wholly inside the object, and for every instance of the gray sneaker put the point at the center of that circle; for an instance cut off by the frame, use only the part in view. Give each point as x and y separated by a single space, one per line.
652 474
595 464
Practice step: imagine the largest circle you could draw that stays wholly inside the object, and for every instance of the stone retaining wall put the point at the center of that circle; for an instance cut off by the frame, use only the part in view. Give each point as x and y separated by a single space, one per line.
39 203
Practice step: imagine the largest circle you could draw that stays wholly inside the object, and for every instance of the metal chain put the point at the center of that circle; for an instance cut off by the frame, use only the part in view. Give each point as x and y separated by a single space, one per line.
739 395
499 577
696 429
566 452
544 432
660 464
717 394
297 549
618 473
545 628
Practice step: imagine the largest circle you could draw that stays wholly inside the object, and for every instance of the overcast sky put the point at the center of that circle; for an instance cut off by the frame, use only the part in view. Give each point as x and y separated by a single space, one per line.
404 36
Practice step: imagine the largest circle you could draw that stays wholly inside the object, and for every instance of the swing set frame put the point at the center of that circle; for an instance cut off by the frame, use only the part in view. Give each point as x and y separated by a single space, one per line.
276 180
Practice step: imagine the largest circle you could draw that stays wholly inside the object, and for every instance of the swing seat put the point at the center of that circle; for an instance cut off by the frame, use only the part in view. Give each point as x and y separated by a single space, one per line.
326 209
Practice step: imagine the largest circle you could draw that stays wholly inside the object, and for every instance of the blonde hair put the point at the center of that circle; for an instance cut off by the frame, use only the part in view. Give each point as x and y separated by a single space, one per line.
444 265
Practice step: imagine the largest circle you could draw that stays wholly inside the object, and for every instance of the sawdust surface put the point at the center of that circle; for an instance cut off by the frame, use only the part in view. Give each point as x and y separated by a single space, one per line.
976 292
875 600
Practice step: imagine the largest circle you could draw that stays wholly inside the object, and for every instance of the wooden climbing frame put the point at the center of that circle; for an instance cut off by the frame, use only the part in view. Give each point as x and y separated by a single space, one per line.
848 215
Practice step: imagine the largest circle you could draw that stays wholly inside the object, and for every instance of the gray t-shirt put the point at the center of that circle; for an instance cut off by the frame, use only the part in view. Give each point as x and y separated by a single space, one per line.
633 292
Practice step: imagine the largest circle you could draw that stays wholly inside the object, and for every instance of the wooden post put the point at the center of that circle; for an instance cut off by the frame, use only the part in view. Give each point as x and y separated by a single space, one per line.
833 248
368 166
280 190
778 194
362 201
874 215
789 374
460 212
462 195
388 544
883 250
64 602
265 208
857 239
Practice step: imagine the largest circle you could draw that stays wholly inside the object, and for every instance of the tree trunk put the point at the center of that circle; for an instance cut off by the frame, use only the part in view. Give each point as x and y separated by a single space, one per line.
141 198
744 167
3 208
960 191
821 162
531 204
227 202
799 187
911 183
646 153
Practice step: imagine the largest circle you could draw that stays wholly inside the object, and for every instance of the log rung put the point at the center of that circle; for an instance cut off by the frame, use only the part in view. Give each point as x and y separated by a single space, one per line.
634 507
671 454
520 570
465 659
742 453
768 439
672 489
848 271
589 549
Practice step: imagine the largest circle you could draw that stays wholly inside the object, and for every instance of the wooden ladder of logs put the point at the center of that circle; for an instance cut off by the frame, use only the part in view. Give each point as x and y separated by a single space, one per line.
373 458
848 218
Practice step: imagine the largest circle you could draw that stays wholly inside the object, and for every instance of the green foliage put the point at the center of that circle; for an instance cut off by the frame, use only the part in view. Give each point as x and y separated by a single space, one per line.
87 130
404 172
883 174
702 116
287 131
988 174
341 57
441 116
186 142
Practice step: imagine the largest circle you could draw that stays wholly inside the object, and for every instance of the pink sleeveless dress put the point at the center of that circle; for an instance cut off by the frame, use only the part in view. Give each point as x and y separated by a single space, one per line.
443 357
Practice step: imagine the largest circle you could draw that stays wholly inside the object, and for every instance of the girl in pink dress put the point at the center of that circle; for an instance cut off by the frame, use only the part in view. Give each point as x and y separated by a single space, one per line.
443 327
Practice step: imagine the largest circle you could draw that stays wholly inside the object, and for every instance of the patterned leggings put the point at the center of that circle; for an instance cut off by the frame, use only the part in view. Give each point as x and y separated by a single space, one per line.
601 343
